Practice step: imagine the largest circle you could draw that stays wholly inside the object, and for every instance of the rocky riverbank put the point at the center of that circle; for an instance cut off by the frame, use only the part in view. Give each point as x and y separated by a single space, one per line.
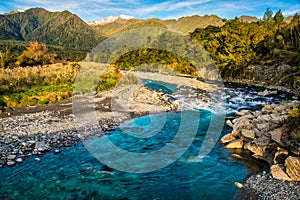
264 186
268 138
33 131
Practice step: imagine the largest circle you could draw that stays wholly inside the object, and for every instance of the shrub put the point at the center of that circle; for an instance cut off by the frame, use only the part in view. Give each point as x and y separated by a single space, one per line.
293 123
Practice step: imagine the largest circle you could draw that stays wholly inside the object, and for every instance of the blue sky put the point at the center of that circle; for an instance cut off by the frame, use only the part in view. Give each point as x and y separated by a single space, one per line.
99 9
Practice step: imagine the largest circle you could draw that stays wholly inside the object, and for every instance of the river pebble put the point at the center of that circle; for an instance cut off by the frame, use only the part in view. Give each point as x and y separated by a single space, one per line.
267 188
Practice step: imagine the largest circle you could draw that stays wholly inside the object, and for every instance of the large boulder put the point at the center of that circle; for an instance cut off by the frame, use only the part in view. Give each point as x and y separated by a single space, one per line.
227 138
290 143
276 134
262 148
242 112
243 123
292 165
247 135
229 123
267 109
278 172
236 144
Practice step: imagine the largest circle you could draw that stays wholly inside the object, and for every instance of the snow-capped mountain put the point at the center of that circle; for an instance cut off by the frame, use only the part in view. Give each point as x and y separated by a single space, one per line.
110 19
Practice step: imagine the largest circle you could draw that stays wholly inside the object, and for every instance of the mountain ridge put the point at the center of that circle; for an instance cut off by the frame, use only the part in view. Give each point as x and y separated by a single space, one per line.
67 30
53 28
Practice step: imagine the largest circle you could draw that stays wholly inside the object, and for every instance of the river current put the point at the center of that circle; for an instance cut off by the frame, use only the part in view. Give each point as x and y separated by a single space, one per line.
76 174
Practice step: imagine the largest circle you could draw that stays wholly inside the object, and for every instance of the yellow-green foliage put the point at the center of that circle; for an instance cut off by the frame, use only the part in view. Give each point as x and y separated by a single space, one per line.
35 54
238 44
293 122
153 59
36 85
108 79
50 83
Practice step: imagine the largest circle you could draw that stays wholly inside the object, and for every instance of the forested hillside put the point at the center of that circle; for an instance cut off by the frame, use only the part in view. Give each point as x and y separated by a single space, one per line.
52 28
238 44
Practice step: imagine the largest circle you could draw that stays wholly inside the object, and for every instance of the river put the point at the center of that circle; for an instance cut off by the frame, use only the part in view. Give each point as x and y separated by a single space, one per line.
76 174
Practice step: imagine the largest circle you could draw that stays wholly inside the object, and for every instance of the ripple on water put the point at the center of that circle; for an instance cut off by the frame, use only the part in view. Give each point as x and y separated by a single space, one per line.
76 174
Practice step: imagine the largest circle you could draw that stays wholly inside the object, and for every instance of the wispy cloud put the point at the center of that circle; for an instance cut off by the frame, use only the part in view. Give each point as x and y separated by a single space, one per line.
290 12
169 6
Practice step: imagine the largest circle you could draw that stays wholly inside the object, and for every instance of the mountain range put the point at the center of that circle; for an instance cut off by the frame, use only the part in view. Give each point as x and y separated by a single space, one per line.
64 29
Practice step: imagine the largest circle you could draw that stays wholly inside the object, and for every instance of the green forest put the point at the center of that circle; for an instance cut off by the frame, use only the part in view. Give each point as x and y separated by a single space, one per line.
237 44
234 46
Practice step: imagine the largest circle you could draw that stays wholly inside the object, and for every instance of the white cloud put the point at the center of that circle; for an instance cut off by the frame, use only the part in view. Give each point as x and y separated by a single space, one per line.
290 12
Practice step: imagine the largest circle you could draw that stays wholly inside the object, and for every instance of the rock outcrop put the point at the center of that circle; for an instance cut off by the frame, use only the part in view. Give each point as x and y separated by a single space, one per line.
266 136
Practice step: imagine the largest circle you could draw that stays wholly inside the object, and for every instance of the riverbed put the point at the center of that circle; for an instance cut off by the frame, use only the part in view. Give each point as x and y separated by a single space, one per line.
74 173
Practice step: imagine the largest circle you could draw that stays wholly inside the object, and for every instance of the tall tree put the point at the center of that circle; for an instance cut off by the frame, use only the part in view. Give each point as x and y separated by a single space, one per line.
268 15
35 54
278 17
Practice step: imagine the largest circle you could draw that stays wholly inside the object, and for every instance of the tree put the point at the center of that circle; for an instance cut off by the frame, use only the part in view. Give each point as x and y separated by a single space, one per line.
35 54
278 17
268 15
7 60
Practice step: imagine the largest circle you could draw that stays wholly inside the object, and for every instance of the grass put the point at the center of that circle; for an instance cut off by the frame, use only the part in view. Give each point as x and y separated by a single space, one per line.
40 85
36 85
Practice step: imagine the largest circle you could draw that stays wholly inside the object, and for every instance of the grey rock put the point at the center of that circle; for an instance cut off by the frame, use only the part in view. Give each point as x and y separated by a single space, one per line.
276 134
11 157
248 135
10 163
262 148
262 126
40 146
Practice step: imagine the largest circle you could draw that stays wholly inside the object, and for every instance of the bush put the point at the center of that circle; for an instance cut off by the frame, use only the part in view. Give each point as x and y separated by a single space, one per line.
293 123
